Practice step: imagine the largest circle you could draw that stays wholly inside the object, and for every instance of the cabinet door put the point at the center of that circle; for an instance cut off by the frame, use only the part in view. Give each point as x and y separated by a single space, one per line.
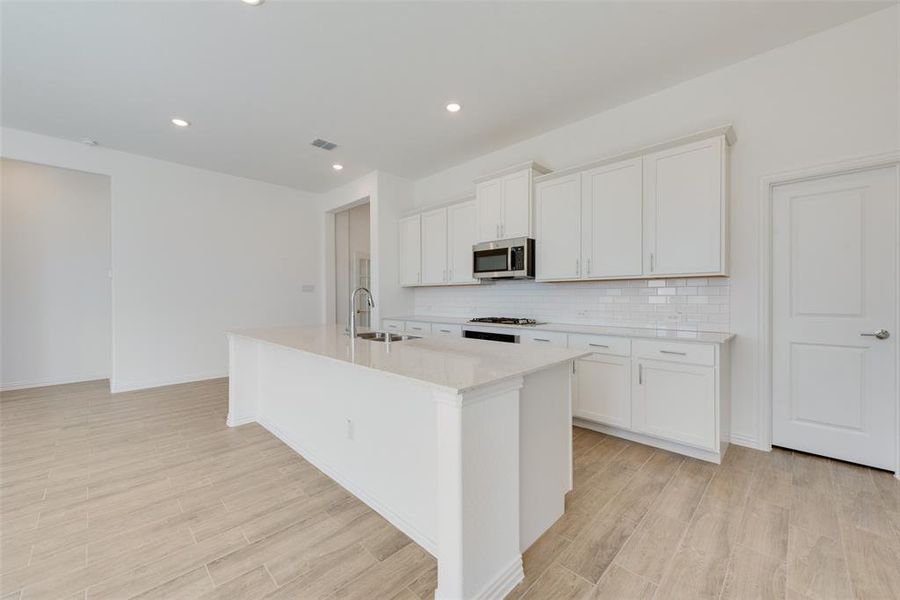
434 246
612 227
489 209
516 205
676 402
603 390
460 239
558 240
684 209
410 250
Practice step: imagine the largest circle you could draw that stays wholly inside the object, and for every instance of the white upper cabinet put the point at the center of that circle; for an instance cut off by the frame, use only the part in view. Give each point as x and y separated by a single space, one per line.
558 244
489 203
659 213
516 205
503 201
410 250
460 239
685 210
434 246
612 226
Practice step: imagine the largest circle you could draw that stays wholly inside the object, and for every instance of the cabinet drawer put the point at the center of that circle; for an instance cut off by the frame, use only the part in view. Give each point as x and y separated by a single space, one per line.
418 327
389 325
600 344
697 354
548 338
442 329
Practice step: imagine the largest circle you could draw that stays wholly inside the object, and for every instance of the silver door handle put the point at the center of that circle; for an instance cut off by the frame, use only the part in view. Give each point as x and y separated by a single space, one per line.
881 334
598 345
673 352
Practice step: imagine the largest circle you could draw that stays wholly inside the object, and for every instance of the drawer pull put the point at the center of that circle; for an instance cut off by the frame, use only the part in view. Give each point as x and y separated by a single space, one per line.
598 345
541 339
444 330
673 352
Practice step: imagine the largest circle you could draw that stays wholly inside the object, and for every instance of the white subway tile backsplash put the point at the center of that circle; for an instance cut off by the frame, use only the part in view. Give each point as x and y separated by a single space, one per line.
695 304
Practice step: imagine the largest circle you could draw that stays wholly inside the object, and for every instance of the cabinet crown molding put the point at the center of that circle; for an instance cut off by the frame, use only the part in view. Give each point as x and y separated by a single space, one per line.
723 130
536 167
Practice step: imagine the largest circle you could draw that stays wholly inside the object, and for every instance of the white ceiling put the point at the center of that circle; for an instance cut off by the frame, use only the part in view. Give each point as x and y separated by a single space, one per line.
260 83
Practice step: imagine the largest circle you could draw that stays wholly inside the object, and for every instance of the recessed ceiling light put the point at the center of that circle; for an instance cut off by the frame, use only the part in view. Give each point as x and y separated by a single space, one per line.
88 141
180 122
253 2
453 107
337 166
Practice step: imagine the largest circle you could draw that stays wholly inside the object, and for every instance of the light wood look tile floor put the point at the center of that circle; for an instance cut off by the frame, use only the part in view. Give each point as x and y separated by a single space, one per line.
149 495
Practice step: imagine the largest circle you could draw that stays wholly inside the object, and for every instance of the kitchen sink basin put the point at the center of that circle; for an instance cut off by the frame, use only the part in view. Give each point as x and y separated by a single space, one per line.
386 336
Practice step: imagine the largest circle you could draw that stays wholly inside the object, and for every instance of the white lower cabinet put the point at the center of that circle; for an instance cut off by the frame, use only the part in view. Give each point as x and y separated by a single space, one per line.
675 401
390 325
448 330
603 390
418 327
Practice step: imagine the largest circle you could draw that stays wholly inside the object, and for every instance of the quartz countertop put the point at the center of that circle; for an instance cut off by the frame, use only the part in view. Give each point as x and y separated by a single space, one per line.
451 364
706 337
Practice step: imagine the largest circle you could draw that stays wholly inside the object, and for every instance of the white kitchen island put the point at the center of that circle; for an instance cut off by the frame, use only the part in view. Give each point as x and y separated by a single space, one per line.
464 445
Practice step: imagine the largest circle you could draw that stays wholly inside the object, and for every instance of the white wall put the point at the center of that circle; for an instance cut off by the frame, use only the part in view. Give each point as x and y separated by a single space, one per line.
56 308
822 99
194 253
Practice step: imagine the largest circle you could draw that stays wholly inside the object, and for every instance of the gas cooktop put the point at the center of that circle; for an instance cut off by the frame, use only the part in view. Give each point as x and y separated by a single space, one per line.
504 321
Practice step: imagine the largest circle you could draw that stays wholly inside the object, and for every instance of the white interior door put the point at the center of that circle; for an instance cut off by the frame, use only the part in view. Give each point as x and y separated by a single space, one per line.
834 285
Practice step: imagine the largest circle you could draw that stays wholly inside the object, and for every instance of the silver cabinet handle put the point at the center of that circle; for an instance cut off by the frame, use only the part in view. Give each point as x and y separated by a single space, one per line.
598 345
577 266
673 352
444 330
588 270
451 275
881 334
541 339
497 229
651 262
640 374
445 274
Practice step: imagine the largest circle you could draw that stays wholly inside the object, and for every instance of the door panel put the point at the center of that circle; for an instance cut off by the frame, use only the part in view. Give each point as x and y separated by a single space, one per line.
834 278
489 206
612 230
434 246
558 242
461 238
683 209
516 206
603 390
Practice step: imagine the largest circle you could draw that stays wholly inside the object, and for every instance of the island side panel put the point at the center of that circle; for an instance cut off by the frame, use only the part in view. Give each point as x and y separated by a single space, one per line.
546 450
372 432
478 492
243 380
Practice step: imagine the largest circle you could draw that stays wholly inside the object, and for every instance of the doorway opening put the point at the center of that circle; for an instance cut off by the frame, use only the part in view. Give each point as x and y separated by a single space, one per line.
352 263
56 275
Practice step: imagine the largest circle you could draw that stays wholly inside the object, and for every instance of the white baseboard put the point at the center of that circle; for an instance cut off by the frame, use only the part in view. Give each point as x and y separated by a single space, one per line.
506 580
130 386
650 441
48 381
238 420
429 544
747 441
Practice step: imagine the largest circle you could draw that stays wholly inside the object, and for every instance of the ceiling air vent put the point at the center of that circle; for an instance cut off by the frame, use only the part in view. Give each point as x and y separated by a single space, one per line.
324 144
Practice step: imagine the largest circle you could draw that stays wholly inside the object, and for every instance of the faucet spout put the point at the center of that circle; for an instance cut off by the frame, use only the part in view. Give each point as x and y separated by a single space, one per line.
351 317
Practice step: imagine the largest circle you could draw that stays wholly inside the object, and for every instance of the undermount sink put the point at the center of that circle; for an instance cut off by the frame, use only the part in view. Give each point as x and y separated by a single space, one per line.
385 336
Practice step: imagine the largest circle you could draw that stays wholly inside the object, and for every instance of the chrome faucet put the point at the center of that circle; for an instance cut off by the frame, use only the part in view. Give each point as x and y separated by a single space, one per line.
351 318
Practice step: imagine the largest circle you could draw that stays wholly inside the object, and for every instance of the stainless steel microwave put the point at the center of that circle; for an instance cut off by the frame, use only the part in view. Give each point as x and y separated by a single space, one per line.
504 259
